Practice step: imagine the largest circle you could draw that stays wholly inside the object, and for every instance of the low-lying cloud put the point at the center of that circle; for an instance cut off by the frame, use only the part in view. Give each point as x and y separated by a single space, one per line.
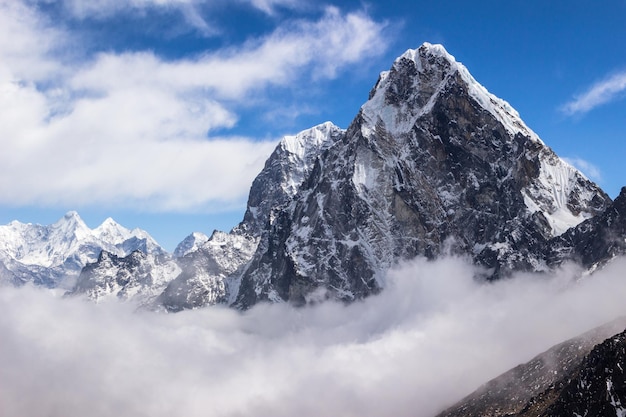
432 336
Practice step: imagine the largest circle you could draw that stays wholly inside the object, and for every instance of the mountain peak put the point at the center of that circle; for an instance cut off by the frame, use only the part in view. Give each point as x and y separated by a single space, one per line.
190 244
71 224
436 50
71 215
415 81
285 171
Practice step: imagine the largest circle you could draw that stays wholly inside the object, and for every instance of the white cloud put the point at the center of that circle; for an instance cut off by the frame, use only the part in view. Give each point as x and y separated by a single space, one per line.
428 339
269 6
135 130
603 92
589 169
321 47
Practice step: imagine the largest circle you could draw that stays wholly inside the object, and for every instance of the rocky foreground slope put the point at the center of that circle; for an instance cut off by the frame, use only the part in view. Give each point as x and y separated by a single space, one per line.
583 376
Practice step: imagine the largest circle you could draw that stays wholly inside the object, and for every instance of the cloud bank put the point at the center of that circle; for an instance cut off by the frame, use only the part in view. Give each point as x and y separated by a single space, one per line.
431 337
136 130
603 92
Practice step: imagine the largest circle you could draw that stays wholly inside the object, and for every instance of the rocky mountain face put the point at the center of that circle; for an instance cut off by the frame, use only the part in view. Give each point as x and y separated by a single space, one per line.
599 387
47 255
580 377
140 276
432 163
209 273
284 174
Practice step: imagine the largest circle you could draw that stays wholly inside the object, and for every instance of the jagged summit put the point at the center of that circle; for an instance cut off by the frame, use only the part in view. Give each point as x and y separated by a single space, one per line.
285 171
191 243
211 269
433 68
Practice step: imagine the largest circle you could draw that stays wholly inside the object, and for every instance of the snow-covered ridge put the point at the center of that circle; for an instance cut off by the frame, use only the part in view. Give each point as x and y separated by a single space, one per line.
301 150
419 77
67 245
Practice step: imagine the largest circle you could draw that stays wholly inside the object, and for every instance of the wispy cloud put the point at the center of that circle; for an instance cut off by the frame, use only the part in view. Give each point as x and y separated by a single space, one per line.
191 10
600 93
589 169
137 130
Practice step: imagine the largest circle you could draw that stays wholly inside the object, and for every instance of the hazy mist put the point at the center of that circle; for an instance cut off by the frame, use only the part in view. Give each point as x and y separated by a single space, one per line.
432 336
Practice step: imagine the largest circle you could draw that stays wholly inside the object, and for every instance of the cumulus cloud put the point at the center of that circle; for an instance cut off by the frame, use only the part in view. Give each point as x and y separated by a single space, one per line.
136 130
600 93
586 167
432 336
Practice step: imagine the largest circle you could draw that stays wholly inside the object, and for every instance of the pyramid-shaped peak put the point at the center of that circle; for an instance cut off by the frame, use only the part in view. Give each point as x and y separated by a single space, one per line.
418 78
109 224
72 215
428 49
72 220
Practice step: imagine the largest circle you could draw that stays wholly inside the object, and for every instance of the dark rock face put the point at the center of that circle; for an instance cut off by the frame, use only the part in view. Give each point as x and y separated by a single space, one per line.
432 162
599 388
566 380
212 274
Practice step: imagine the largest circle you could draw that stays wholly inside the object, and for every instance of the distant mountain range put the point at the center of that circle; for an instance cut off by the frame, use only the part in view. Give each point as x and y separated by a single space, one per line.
55 255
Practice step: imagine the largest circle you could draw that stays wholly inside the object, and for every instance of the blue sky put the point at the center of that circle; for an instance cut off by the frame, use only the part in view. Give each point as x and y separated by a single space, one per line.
159 113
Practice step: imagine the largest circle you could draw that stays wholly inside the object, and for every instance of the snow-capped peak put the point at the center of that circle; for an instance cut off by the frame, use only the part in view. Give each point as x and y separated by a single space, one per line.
190 244
300 151
434 67
70 224
112 232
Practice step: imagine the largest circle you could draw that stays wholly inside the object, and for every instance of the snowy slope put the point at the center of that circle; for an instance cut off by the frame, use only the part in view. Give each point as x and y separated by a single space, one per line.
190 244
139 277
